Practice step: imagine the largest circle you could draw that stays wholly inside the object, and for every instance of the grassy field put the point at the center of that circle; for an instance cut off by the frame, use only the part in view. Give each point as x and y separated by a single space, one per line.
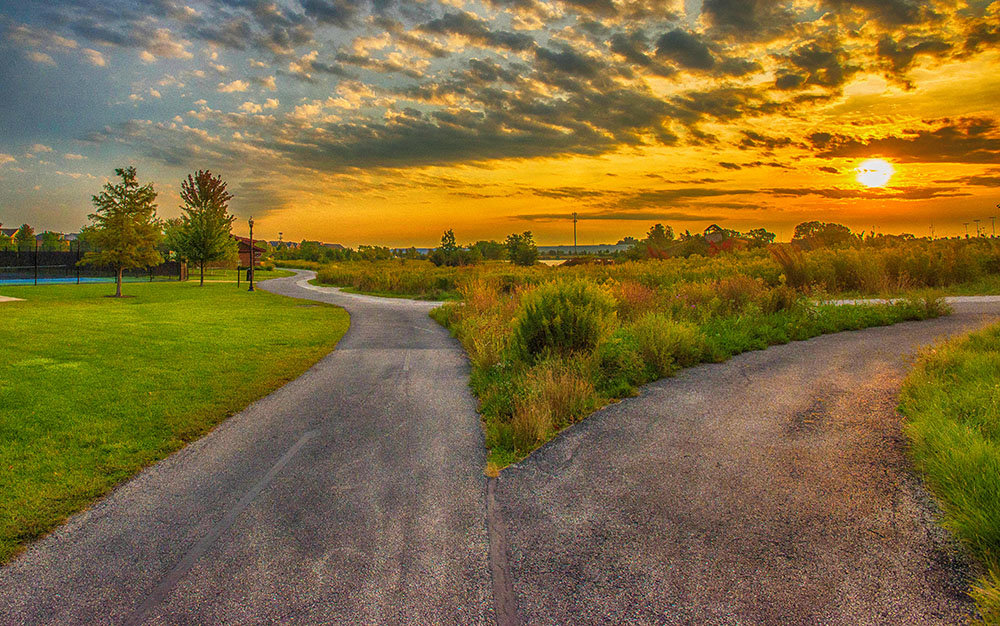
95 388
944 267
229 275
951 401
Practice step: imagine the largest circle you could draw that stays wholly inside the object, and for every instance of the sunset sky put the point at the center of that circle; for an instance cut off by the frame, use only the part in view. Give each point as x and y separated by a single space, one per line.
388 121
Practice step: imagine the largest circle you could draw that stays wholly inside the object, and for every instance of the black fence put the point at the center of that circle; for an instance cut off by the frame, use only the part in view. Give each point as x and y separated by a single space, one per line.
46 266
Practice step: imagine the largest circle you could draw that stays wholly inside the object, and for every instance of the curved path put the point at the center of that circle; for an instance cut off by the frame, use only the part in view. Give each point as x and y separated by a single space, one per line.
354 494
769 489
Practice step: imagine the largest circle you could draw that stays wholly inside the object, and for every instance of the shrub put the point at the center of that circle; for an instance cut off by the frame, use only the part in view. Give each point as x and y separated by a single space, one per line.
666 345
619 365
564 317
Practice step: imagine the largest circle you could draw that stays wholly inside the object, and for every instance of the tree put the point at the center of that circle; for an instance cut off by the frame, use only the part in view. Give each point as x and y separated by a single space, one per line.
51 241
490 250
124 226
760 237
822 234
204 235
521 248
24 238
450 254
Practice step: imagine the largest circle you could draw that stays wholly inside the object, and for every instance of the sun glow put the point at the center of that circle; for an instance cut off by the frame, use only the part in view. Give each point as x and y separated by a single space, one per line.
875 172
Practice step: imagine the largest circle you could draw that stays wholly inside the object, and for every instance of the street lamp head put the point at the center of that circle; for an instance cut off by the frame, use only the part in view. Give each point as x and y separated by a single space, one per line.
251 221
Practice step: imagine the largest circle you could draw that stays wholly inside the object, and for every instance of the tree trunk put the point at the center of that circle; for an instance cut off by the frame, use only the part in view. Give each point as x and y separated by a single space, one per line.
202 283
118 283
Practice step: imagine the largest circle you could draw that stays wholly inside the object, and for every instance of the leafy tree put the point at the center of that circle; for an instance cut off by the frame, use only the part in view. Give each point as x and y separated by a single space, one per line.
51 241
125 227
24 238
760 237
450 254
448 244
204 235
521 248
823 234
490 250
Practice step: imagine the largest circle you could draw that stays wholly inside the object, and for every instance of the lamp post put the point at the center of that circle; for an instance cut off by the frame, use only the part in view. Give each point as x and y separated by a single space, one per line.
251 254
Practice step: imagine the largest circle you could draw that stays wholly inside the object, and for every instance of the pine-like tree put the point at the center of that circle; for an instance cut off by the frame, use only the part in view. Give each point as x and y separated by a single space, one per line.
204 233
125 229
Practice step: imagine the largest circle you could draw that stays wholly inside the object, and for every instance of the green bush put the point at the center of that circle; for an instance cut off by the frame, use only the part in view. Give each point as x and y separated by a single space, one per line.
620 368
564 317
666 345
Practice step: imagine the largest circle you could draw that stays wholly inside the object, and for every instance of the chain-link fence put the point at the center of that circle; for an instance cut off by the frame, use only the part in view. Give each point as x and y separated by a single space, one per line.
46 266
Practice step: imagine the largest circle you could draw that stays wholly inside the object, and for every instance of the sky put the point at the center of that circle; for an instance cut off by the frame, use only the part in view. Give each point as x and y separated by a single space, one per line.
388 121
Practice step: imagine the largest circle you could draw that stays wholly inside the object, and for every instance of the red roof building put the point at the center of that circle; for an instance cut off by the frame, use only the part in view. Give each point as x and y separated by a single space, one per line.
243 243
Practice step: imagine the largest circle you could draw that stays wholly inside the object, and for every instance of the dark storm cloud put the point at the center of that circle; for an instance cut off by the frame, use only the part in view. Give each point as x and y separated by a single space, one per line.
634 48
685 49
965 140
477 31
900 55
337 12
889 12
823 64
746 20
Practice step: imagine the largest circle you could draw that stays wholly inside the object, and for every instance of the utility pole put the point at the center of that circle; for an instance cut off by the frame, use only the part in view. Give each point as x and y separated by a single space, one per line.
966 224
977 227
280 243
575 218
932 232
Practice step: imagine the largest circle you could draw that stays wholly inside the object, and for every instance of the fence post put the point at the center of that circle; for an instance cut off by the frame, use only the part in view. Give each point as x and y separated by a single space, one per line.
237 275
77 261
36 262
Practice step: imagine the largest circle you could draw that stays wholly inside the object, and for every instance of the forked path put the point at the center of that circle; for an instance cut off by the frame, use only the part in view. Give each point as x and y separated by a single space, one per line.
352 495
769 489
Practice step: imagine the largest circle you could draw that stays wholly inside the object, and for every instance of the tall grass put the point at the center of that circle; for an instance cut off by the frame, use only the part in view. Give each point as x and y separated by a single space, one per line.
544 356
952 404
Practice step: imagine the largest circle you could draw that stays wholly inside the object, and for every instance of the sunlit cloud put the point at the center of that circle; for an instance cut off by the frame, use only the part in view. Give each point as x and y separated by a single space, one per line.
531 109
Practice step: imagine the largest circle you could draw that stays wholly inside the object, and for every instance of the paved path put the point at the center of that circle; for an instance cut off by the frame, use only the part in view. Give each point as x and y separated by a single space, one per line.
353 495
769 489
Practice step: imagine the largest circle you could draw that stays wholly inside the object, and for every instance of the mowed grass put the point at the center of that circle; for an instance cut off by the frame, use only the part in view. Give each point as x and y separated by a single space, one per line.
952 404
93 388
216 274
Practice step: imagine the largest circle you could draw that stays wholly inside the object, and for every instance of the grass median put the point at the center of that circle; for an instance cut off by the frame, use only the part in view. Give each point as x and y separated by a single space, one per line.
95 388
951 401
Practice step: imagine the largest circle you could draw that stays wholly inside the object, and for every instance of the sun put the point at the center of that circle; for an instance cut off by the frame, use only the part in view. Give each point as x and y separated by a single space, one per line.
875 172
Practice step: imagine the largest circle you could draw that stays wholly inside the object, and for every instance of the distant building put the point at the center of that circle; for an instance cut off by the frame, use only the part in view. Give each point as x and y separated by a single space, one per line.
332 246
243 244
716 234
7 237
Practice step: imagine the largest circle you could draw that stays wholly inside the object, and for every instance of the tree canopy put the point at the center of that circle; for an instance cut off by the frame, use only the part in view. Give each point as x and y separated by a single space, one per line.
521 248
124 226
204 232
24 238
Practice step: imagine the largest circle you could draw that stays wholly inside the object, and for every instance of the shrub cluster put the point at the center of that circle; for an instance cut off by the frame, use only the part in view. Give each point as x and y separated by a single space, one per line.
545 355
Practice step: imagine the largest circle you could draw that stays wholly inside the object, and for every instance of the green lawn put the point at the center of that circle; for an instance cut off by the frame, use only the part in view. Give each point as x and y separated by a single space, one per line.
92 388
952 404
217 274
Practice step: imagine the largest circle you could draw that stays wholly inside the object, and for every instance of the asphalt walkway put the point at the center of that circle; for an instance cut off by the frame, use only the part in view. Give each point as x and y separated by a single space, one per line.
771 489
